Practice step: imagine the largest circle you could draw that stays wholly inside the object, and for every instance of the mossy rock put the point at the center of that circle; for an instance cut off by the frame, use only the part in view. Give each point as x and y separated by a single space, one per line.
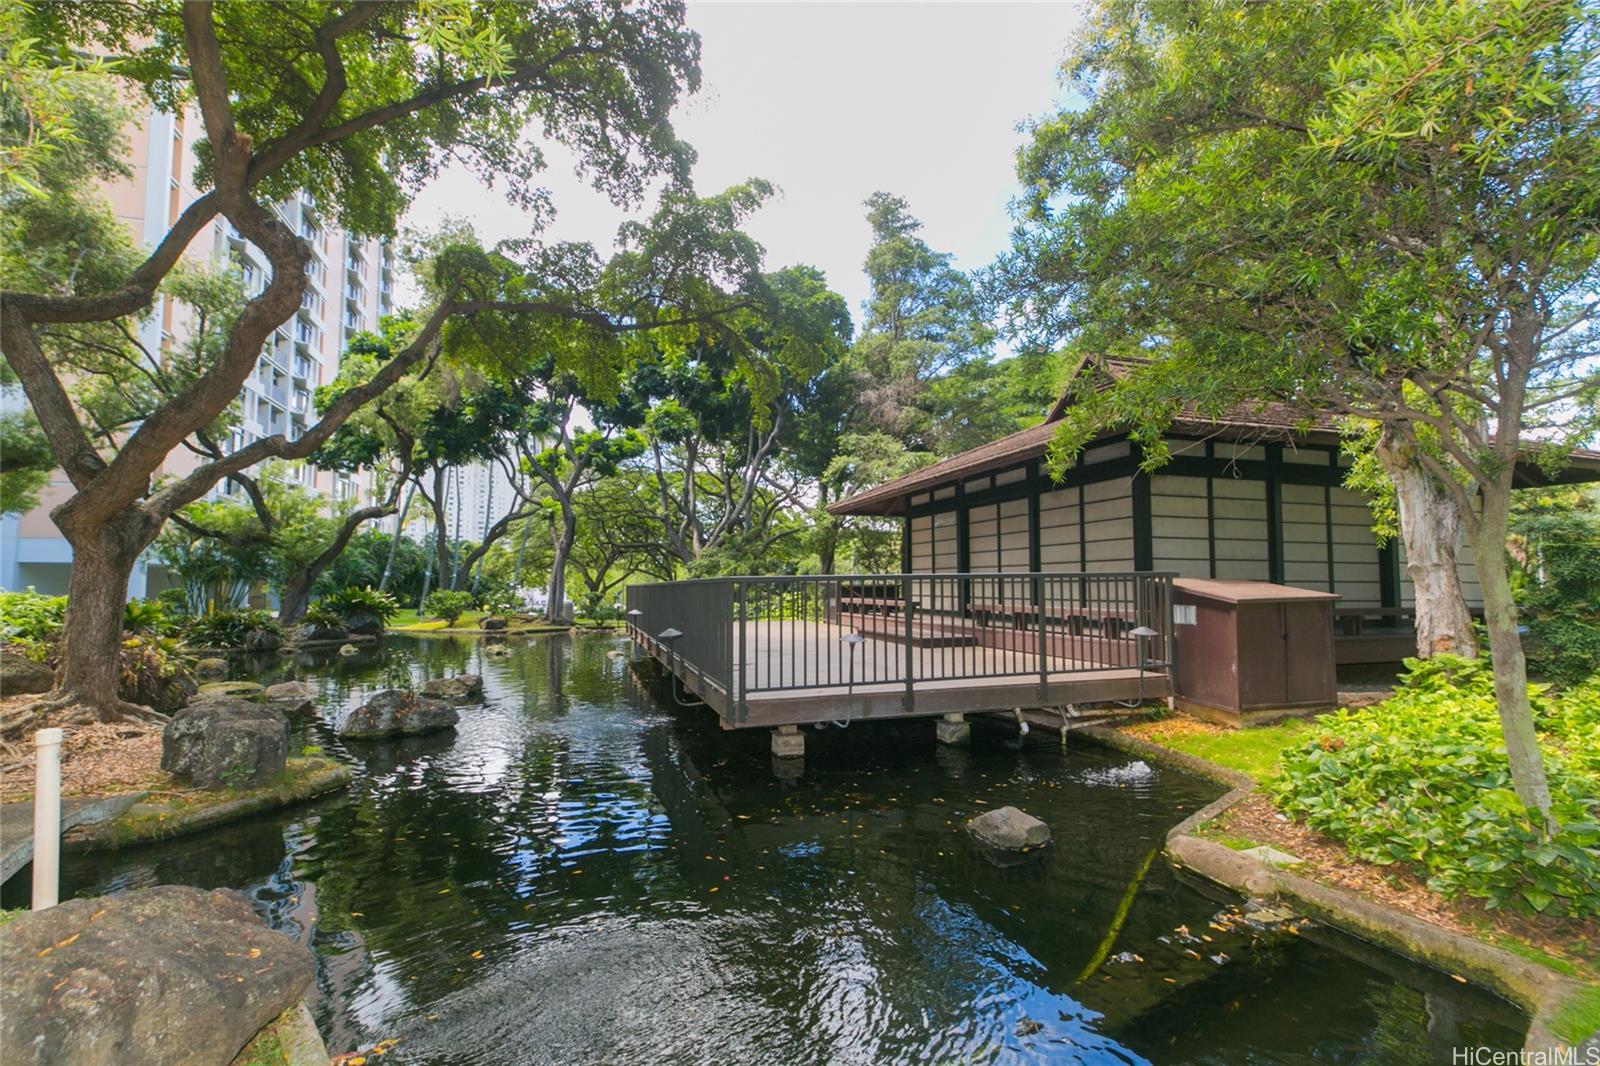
160 817
244 690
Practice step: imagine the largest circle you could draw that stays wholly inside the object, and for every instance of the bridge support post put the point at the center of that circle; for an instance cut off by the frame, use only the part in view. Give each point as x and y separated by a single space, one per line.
788 742
952 729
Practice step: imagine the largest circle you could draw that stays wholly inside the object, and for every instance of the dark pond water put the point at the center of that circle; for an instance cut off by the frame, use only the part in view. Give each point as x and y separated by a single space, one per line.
584 873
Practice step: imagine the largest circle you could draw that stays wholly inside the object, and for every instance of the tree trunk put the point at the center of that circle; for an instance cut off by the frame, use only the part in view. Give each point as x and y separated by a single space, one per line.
1505 650
295 599
1430 526
103 557
441 530
394 543
563 534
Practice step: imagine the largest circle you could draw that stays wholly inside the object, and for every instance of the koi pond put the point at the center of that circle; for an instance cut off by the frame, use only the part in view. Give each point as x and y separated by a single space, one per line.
584 871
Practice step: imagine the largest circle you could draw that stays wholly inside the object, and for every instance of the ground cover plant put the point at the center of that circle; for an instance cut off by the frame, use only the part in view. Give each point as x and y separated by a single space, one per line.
1423 779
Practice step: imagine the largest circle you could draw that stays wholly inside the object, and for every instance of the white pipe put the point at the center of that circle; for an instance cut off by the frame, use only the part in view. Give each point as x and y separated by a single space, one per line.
46 818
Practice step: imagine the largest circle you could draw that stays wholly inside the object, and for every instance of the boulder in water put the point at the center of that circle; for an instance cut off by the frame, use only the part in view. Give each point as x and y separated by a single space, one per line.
458 689
397 712
164 976
293 697
1009 829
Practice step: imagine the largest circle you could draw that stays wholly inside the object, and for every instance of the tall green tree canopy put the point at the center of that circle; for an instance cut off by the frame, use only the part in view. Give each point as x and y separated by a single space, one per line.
1388 211
359 104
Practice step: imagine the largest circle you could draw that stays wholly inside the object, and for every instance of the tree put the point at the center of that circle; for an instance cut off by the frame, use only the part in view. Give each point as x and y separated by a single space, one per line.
734 442
923 320
1388 212
618 535
378 96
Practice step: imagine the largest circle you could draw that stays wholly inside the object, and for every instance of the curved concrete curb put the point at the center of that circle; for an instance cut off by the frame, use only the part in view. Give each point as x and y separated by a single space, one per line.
1539 991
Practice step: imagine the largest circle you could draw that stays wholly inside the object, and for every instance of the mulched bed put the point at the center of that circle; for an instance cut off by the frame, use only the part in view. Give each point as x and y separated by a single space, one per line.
1396 886
96 759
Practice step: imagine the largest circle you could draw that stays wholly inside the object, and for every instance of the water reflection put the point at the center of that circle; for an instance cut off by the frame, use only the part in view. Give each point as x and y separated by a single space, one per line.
580 873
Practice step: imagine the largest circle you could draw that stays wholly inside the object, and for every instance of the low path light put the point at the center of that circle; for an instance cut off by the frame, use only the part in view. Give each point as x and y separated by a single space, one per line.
1140 634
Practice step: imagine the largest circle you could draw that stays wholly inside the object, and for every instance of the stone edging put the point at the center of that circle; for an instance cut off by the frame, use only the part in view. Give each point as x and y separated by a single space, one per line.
151 824
1539 991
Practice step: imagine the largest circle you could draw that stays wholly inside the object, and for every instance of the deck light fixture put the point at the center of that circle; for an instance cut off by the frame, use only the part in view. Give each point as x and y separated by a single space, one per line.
1140 634
668 635
851 640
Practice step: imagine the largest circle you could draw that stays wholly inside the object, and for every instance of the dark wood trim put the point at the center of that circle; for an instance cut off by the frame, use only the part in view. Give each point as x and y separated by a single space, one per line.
1274 515
1327 522
1143 537
1389 573
905 544
1035 550
1211 526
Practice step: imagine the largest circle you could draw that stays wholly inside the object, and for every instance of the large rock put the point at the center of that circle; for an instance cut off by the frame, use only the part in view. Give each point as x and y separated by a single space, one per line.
311 632
222 741
493 624
243 690
398 712
262 640
1009 829
211 669
165 976
363 623
458 689
292 697
20 675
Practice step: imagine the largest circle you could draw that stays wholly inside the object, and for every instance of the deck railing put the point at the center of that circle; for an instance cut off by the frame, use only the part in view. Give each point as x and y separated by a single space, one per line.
748 635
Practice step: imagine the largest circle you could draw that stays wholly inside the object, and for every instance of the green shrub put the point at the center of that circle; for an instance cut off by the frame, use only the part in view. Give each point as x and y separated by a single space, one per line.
29 618
447 604
145 616
228 629
500 599
1559 585
324 617
1423 779
358 599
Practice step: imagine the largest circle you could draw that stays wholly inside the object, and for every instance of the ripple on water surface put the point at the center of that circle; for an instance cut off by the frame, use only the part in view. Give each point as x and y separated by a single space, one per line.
581 874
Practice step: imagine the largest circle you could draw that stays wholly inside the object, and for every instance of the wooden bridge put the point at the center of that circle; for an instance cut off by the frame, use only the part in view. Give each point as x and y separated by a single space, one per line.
783 651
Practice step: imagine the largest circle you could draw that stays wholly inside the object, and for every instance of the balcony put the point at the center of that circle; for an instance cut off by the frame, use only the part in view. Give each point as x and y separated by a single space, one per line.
767 651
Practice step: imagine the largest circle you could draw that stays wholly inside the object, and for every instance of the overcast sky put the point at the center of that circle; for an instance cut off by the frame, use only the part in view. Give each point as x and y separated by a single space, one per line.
830 102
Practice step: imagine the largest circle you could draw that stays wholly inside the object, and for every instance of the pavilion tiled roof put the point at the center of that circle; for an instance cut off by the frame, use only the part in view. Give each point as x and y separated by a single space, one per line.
1253 422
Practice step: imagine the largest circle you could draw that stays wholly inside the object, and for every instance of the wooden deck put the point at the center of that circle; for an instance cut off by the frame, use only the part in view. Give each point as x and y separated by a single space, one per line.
790 674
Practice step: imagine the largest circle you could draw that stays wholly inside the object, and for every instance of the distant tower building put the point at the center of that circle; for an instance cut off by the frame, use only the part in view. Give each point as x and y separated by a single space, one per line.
352 284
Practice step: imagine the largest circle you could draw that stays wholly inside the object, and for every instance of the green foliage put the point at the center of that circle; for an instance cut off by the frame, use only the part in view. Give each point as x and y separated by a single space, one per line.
448 604
152 671
1557 545
28 618
25 461
356 599
1423 779
324 617
498 598
228 628
148 617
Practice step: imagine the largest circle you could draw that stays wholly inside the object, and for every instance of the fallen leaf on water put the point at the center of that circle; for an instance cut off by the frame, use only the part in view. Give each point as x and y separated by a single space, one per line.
477 954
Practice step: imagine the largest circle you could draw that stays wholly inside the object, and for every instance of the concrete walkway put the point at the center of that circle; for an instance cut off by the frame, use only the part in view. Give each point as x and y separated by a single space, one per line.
16 824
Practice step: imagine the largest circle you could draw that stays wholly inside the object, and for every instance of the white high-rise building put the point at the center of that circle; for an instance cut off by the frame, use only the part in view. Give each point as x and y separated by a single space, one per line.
352 284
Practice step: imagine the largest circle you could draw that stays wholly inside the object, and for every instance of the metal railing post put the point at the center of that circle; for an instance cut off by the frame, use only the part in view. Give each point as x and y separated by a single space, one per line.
742 651
909 700
1044 663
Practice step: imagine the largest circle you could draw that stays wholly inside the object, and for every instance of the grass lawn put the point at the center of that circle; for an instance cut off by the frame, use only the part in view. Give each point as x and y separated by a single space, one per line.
409 621
1252 751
